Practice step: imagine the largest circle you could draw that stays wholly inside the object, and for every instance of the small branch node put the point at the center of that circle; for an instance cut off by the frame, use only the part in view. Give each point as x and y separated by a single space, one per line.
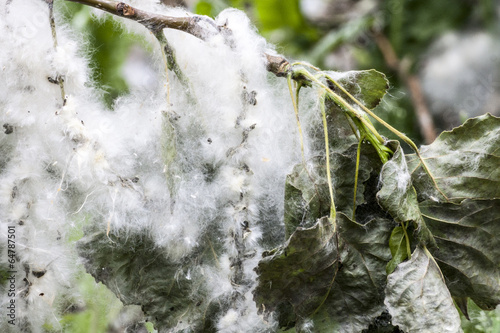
125 10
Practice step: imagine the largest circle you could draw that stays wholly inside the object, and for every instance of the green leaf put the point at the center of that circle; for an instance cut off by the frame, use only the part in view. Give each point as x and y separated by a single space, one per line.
334 278
417 297
300 272
306 191
397 245
344 173
398 196
306 198
172 292
464 161
368 86
468 247
150 327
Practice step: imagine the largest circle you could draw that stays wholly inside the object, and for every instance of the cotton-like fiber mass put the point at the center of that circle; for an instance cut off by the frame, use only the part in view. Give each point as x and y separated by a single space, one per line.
177 164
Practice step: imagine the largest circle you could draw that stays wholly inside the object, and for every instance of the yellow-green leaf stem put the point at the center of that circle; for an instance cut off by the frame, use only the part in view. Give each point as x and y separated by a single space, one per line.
383 152
168 55
327 152
295 102
353 126
59 80
358 153
165 63
361 121
392 129
408 248
213 252
306 64
342 103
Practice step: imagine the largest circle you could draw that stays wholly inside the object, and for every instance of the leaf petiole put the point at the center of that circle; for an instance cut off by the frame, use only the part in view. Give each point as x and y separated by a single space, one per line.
361 121
295 102
358 155
392 129
327 152
408 248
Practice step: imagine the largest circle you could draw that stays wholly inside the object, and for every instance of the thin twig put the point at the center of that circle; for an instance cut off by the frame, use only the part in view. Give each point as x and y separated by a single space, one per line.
277 64
168 54
59 79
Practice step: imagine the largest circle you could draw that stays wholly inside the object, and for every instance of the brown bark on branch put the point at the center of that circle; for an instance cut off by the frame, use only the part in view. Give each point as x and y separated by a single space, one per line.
277 65
152 21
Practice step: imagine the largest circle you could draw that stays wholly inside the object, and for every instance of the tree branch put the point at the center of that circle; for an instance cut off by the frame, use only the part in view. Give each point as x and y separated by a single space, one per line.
277 65
192 25
154 22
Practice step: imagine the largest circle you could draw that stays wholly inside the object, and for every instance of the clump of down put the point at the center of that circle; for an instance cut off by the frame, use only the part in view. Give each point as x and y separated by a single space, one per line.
190 158
174 162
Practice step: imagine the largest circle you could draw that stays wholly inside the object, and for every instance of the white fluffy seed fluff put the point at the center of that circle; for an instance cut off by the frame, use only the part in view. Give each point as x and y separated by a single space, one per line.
64 163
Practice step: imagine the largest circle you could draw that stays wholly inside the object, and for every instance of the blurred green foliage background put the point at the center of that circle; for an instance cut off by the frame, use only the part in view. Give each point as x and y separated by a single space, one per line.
335 34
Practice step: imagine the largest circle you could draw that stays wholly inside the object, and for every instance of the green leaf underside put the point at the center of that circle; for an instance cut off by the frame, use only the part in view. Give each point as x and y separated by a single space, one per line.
368 86
171 292
334 279
465 162
398 196
305 199
397 245
417 297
